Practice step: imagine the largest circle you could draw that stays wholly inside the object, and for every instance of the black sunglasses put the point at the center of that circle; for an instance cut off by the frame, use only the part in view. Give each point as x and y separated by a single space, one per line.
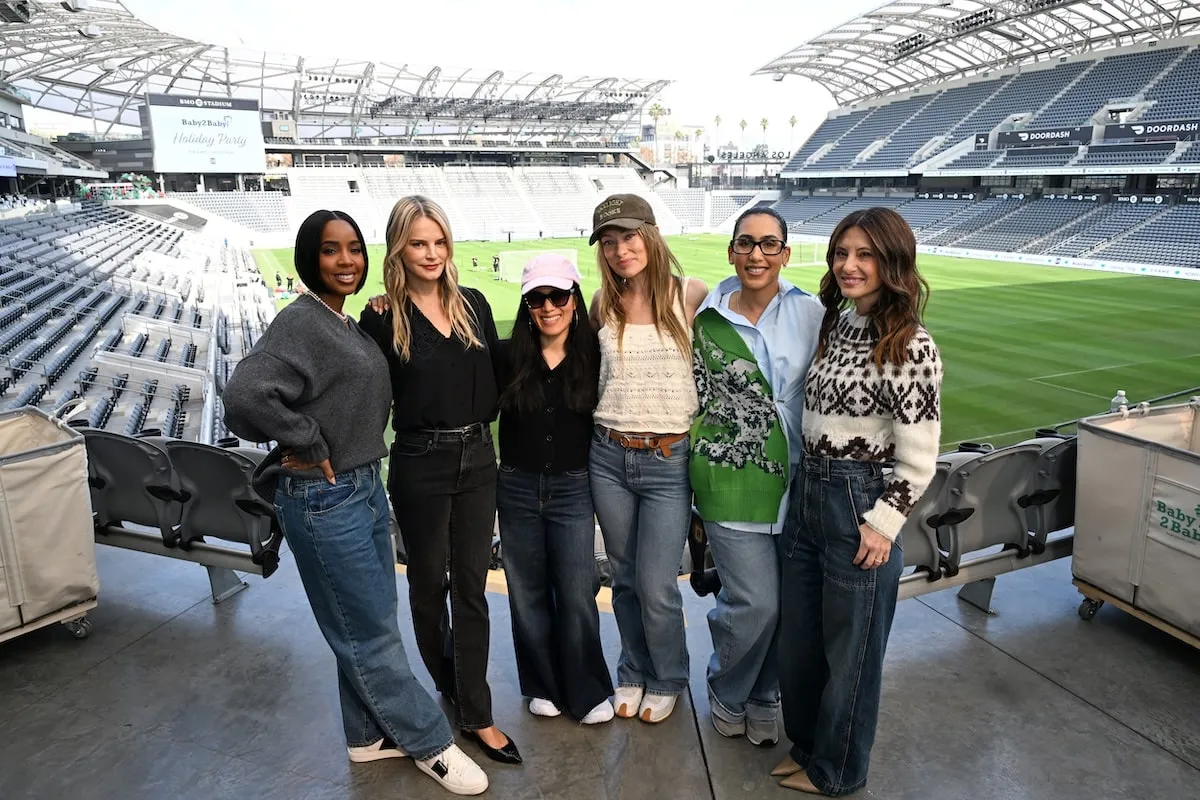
557 297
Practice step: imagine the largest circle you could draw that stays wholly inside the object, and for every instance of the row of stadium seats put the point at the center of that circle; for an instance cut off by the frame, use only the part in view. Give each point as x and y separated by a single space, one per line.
1014 497
1117 231
484 203
899 132
1116 155
132 317
187 491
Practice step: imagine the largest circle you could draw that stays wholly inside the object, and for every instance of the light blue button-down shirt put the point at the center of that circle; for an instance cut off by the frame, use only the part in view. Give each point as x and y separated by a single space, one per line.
783 342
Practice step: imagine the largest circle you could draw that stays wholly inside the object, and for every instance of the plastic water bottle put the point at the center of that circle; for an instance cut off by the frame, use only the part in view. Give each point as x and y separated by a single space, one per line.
1118 401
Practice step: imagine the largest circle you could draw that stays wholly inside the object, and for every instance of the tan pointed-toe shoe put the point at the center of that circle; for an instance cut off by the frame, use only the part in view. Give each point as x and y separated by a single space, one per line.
800 782
785 767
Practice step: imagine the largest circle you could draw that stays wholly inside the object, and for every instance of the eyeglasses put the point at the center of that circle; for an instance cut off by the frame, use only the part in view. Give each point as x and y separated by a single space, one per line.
744 246
557 297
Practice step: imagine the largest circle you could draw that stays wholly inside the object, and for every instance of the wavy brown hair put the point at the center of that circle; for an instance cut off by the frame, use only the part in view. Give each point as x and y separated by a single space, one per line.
395 279
665 285
898 312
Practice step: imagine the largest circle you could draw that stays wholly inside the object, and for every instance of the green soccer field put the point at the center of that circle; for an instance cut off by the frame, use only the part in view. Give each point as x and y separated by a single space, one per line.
1024 346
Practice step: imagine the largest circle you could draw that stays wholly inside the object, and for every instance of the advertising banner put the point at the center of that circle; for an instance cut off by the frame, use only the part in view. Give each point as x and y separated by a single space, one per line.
1076 135
206 134
1151 131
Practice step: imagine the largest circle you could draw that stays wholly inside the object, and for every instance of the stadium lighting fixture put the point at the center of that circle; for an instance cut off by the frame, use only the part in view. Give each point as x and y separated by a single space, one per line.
75 6
92 31
777 77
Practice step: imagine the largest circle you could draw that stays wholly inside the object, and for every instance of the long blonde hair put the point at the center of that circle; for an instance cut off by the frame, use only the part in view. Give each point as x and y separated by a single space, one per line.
399 228
665 284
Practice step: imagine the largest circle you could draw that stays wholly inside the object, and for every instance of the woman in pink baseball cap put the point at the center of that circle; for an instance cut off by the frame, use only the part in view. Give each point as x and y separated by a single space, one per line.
549 372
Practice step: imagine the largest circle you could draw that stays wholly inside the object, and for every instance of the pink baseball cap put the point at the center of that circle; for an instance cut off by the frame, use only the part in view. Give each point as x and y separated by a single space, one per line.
551 270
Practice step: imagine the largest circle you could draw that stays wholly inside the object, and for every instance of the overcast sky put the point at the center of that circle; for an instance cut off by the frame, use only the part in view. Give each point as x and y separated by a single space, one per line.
707 49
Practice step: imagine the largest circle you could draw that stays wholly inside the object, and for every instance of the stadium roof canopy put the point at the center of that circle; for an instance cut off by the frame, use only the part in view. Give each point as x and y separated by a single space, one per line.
101 61
906 44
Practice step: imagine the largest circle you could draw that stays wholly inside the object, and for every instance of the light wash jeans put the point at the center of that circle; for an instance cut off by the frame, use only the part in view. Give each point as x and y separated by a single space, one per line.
339 536
643 502
743 679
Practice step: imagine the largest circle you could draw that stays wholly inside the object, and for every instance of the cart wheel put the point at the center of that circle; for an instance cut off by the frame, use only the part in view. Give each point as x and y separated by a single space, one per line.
1089 607
80 628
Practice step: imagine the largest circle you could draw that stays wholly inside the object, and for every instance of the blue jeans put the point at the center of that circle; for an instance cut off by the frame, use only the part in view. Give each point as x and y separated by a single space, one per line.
643 502
743 677
834 622
548 531
339 536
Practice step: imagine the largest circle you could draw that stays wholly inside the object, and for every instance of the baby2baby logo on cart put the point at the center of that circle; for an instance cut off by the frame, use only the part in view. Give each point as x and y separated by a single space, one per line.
1176 511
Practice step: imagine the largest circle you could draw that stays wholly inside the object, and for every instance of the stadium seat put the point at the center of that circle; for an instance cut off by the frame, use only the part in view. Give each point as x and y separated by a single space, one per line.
919 533
132 481
987 495
220 503
1052 487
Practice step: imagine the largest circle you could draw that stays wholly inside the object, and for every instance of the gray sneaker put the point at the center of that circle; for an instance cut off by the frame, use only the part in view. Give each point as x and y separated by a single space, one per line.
762 733
730 730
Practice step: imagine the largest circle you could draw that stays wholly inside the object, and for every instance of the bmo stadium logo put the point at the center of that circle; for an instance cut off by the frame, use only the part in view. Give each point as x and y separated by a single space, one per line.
200 102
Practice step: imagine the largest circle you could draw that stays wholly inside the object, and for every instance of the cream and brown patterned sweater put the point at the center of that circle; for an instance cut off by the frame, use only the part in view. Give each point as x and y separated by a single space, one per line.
854 410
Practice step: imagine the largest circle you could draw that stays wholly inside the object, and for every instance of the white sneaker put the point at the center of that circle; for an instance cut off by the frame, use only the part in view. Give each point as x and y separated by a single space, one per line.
627 700
601 713
543 708
384 748
657 707
455 771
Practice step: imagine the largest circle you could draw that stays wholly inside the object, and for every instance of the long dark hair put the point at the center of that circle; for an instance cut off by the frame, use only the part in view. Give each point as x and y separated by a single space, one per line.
306 257
897 313
581 367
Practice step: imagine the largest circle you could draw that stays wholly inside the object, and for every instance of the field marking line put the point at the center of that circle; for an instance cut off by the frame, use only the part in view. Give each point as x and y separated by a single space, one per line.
1065 388
985 436
1059 318
1113 366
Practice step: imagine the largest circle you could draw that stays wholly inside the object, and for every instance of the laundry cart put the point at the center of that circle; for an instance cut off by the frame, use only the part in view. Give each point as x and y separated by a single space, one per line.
47 549
1137 516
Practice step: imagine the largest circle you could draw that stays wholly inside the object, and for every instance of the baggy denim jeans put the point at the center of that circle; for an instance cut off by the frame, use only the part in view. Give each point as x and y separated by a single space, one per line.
743 674
834 622
548 530
340 538
643 502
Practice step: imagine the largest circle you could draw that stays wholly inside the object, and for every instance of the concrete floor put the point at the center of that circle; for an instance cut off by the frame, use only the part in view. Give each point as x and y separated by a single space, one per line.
173 697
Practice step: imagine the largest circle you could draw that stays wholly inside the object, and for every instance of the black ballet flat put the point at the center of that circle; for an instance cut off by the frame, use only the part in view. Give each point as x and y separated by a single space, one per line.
508 754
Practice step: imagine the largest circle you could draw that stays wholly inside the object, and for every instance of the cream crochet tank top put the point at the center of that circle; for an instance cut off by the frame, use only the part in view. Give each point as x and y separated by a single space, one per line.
647 385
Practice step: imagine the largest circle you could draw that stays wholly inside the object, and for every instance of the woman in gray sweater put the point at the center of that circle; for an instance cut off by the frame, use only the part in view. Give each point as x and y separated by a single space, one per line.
316 384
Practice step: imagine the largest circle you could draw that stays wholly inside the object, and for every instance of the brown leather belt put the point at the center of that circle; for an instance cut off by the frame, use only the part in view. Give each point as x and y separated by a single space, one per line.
637 442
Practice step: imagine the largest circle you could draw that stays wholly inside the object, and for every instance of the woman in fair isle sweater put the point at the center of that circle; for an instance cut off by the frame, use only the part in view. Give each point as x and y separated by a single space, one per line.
872 395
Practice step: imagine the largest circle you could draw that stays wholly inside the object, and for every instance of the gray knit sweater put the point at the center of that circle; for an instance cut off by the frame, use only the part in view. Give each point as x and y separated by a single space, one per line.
313 384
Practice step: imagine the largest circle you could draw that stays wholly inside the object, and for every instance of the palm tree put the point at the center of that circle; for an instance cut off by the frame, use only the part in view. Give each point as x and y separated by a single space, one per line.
656 112
742 125
762 123
717 132
792 138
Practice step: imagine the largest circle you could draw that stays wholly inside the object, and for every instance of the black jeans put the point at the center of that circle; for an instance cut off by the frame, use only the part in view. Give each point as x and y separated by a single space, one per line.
443 489
549 535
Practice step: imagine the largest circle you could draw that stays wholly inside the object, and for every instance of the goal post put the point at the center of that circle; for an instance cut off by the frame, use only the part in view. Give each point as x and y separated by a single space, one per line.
807 254
512 262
